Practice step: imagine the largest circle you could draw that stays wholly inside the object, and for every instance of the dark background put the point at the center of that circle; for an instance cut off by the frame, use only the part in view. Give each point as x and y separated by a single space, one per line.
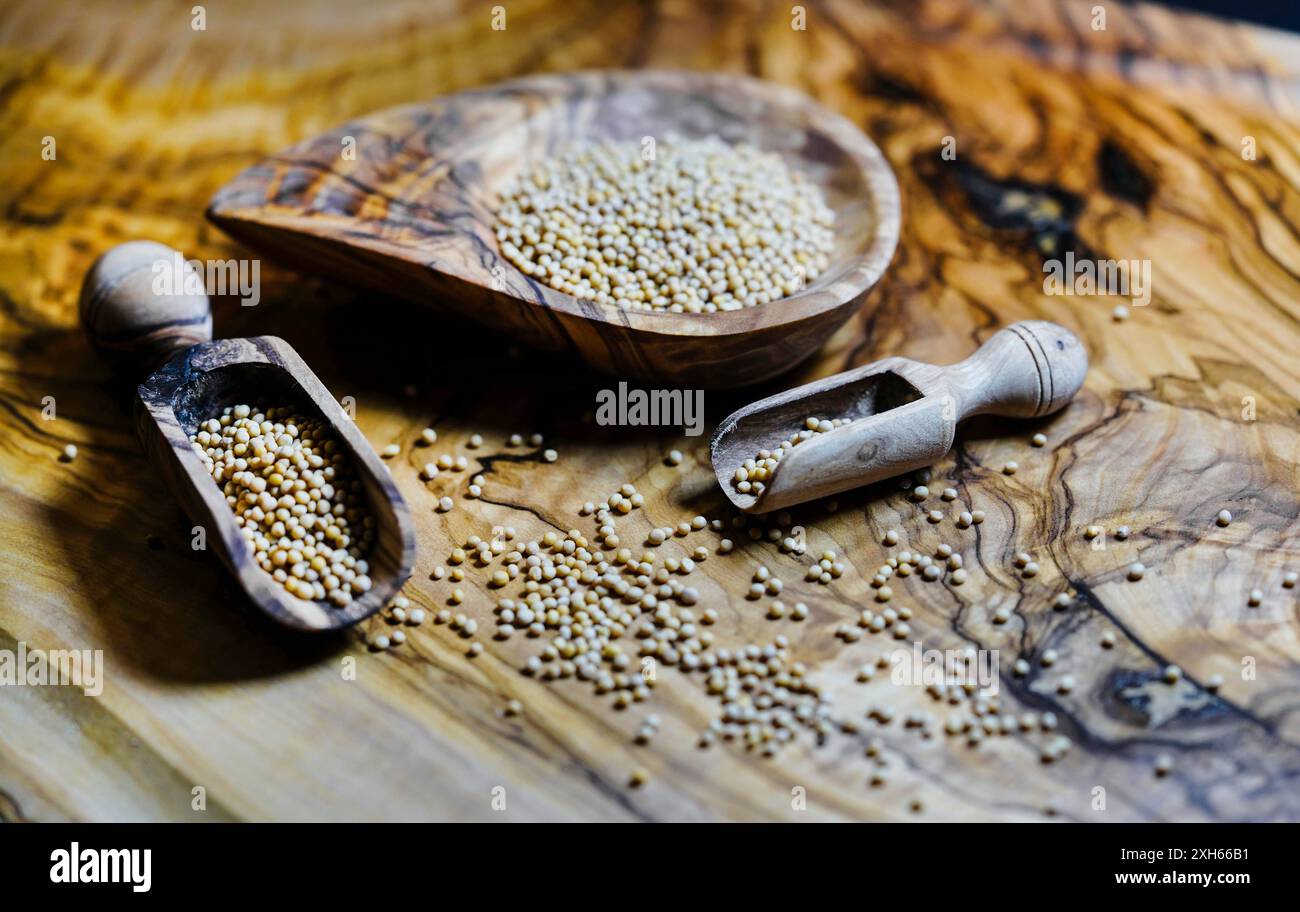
1277 13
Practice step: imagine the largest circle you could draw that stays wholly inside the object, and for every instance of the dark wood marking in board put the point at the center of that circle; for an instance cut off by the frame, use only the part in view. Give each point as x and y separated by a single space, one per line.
1040 217
1121 177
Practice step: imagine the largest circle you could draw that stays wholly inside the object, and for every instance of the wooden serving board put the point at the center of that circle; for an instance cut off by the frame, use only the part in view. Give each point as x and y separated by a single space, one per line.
1125 142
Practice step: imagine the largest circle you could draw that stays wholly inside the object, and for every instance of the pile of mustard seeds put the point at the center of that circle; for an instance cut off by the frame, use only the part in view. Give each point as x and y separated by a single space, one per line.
295 498
683 226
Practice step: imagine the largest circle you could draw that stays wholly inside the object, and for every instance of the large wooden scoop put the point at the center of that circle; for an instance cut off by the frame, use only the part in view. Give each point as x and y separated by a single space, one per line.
198 377
903 414
402 202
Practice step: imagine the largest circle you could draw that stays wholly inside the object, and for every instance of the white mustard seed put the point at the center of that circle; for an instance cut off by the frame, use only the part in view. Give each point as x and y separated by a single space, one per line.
667 235
296 501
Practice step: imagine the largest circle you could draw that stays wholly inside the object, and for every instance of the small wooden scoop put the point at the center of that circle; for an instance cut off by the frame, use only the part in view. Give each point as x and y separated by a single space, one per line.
127 320
903 414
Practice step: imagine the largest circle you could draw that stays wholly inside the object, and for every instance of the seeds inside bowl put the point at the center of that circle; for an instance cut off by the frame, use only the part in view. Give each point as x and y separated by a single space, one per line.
295 498
696 226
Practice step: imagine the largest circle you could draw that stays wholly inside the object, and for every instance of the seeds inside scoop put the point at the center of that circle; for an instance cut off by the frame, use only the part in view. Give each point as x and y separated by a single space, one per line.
696 226
753 474
295 498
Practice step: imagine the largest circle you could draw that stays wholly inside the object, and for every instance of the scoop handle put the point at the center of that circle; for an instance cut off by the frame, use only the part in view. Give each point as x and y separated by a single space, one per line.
141 302
1027 370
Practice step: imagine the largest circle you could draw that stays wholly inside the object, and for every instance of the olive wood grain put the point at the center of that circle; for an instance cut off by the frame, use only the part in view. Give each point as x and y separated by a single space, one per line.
1017 131
412 213
903 414
125 317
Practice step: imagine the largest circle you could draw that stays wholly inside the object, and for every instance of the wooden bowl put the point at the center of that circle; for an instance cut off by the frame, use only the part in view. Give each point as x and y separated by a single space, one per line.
411 213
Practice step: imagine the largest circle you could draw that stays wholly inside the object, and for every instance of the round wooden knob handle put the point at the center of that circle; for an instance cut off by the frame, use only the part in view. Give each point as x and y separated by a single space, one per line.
1060 359
141 302
1026 370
